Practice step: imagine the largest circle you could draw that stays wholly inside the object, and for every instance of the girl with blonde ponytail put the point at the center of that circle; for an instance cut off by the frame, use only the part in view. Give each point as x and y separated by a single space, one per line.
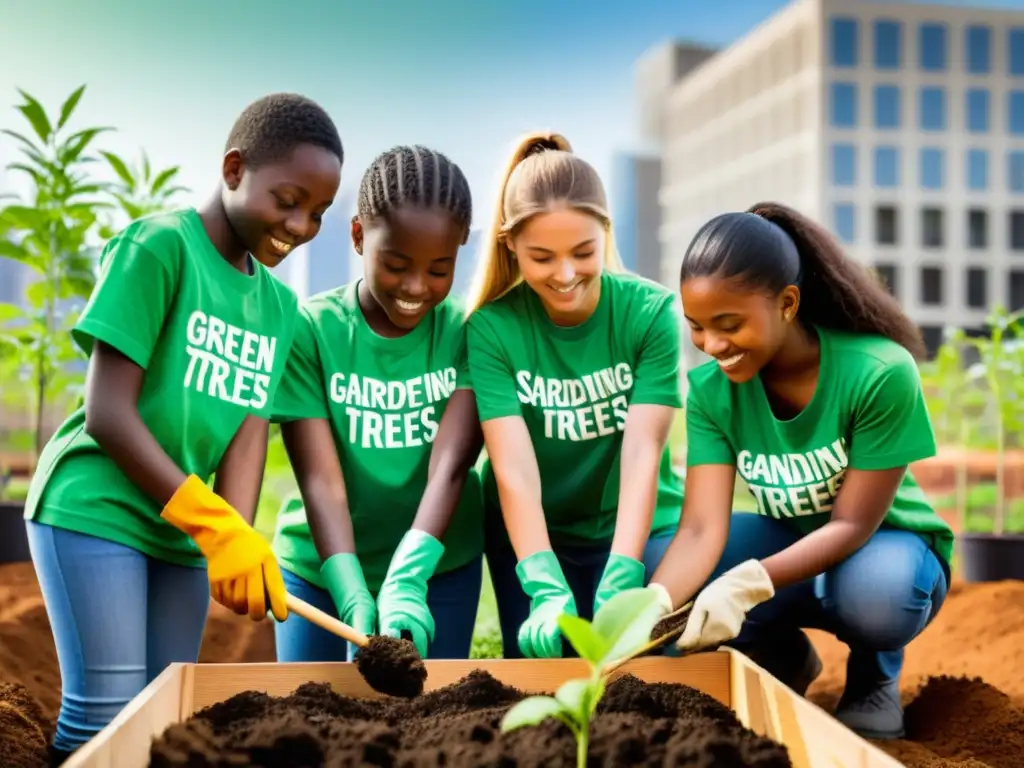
575 365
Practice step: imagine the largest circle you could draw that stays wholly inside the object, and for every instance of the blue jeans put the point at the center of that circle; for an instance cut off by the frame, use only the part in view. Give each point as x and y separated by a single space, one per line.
583 567
452 598
876 601
118 619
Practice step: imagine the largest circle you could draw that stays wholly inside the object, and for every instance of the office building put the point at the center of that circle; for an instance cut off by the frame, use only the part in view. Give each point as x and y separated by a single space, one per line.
899 126
635 184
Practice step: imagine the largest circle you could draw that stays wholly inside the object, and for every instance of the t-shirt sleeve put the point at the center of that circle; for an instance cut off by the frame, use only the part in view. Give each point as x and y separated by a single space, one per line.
706 443
114 314
301 394
891 426
493 379
656 378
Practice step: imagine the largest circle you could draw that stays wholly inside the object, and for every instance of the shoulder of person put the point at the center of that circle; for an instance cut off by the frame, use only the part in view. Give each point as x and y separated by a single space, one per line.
707 378
869 355
511 308
164 235
639 289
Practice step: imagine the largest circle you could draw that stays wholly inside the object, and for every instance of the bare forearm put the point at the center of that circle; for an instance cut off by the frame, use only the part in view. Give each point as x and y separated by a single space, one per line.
330 521
240 474
688 563
440 500
816 552
125 438
638 495
523 512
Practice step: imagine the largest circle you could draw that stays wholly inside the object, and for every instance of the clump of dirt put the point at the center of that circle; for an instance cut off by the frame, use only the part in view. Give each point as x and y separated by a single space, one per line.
637 724
24 731
392 666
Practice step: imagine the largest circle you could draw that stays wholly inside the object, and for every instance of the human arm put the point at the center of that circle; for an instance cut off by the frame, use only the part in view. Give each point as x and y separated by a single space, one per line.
239 476
654 402
890 429
517 477
300 406
402 601
120 338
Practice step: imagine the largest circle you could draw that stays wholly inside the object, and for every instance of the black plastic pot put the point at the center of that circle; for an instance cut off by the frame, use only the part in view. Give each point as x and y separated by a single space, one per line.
13 538
987 557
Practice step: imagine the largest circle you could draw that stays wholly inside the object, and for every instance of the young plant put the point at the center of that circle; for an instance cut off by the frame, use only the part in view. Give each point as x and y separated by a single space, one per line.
622 626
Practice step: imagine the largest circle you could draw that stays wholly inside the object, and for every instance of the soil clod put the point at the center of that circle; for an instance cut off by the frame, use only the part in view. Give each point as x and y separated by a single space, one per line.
392 666
23 729
458 726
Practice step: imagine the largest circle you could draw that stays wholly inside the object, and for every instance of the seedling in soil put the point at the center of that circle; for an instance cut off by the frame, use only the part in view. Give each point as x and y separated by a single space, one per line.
621 627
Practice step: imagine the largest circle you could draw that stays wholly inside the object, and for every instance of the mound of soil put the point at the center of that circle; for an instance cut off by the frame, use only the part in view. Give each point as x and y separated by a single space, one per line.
24 730
637 724
962 684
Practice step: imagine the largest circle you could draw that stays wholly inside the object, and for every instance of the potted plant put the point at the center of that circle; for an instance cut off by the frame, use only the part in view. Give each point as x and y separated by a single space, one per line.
991 541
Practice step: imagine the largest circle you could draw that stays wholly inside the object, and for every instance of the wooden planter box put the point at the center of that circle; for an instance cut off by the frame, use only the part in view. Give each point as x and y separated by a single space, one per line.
814 738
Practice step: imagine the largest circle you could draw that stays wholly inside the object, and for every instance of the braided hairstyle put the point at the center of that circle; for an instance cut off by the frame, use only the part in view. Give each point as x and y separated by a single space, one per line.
418 176
270 128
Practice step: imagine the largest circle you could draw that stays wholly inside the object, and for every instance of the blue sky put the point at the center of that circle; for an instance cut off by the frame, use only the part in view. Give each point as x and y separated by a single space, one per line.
462 76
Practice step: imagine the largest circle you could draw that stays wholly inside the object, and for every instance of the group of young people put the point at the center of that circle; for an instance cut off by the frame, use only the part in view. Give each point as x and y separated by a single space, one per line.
528 426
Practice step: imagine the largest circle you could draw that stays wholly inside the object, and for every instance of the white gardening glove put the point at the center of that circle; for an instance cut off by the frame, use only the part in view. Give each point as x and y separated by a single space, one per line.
664 599
721 608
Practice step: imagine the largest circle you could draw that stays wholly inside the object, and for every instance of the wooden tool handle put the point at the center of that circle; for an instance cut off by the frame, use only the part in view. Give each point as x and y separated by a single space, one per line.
329 623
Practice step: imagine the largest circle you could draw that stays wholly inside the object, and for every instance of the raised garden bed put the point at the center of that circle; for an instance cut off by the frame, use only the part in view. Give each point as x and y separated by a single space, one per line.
642 720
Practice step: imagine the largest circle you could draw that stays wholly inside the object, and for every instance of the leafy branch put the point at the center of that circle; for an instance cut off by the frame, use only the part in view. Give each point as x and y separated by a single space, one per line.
621 627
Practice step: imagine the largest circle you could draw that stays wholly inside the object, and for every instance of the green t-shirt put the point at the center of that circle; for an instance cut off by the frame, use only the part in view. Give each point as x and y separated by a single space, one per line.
213 343
867 412
573 387
384 398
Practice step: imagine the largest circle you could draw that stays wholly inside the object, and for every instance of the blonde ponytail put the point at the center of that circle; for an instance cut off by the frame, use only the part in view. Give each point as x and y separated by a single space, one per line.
541 170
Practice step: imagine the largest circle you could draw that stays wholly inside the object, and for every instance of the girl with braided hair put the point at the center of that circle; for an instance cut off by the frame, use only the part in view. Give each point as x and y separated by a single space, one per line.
380 425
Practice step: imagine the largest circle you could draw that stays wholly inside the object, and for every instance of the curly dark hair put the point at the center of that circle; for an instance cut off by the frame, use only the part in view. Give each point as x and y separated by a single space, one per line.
270 128
414 175
771 246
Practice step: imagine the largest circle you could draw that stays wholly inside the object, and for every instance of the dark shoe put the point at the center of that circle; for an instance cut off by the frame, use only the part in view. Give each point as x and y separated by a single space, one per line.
874 714
56 757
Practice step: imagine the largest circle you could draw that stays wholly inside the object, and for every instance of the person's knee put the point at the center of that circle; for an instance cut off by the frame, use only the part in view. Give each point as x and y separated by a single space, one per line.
882 596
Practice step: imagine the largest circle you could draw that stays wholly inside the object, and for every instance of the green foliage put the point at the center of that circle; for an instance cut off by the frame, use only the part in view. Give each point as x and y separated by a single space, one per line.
139 191
57 232
621 627
980 404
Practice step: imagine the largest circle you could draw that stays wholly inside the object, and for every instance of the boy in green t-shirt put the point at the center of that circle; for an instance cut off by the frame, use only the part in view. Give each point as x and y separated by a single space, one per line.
814 396
575 365
187 334
380 424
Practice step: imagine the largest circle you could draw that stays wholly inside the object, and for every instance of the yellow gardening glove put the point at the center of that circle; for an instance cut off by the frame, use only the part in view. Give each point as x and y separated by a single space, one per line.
240 563
722 606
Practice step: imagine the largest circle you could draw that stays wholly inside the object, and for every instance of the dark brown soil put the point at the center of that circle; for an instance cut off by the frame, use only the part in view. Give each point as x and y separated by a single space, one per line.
392 666
24 732
637 724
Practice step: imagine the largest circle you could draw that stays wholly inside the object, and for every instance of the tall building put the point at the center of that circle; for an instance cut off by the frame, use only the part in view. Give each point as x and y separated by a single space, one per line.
636 214
899 126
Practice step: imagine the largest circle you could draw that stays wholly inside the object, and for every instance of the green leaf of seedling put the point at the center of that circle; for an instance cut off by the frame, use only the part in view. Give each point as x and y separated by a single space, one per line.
625 622
532 710
580 698
588 644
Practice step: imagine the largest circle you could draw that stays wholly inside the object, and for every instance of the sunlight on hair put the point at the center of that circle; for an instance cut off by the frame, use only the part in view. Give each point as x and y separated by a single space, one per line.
541 173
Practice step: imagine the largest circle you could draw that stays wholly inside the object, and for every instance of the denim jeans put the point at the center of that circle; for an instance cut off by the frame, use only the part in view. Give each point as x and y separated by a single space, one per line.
452 598
583 567
118 619
876 601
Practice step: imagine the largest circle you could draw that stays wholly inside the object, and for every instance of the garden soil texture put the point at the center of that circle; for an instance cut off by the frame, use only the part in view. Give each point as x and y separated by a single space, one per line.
962 686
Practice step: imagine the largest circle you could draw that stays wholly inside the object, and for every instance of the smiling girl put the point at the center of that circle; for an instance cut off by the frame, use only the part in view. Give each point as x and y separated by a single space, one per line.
575 365
814 397
380 424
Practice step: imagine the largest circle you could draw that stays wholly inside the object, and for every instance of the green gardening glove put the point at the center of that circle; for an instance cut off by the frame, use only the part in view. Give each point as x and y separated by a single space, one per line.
402 600
345 581
620 572
550 596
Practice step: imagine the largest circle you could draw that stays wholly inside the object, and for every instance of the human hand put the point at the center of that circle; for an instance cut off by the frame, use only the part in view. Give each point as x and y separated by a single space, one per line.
722 606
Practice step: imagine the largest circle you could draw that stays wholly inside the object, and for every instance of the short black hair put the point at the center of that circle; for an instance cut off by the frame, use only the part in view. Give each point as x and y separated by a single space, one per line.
415 175
270 128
